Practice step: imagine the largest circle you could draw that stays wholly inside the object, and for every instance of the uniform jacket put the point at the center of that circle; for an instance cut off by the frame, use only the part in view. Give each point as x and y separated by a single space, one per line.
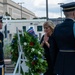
1 49
63 39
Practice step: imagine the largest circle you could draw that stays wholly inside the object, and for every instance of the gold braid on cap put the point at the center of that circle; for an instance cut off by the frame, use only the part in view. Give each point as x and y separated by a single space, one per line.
68 8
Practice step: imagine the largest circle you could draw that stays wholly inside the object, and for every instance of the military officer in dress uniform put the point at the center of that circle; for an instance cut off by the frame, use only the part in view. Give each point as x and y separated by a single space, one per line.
1 50
63 43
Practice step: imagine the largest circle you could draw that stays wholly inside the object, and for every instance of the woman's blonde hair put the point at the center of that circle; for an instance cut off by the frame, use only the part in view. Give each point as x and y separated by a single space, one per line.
50 24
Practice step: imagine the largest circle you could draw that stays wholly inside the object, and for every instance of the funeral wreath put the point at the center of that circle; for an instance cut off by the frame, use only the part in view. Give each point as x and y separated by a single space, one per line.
33 52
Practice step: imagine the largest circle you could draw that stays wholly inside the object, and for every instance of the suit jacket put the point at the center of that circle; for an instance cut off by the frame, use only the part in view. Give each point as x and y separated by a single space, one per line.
63 39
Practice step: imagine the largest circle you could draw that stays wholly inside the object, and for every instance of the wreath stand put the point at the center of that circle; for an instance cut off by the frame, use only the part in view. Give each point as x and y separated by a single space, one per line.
21 59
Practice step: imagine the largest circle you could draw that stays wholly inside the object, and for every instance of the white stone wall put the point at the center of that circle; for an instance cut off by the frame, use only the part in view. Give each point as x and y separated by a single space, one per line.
14 9
1 8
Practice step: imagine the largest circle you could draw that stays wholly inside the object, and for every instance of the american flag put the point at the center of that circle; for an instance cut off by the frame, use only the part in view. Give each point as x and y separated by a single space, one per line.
31 31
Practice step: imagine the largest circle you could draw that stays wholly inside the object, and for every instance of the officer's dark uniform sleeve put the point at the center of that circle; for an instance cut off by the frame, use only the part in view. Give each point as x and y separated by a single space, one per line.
54 48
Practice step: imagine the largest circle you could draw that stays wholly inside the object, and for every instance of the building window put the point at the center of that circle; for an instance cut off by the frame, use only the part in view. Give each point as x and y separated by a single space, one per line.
39 28
24 28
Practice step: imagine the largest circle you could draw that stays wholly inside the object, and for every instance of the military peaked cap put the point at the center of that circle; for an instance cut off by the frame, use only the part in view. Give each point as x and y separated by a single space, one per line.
68 6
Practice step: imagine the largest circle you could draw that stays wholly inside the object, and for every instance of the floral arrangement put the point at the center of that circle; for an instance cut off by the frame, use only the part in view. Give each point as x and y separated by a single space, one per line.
34 53
14 49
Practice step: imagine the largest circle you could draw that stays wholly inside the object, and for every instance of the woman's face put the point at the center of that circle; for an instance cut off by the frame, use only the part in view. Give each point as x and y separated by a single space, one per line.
47 29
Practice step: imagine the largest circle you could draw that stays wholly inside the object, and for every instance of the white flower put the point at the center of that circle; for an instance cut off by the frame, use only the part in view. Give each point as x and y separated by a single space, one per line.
39 52
32 49
41 74
41 60
25 43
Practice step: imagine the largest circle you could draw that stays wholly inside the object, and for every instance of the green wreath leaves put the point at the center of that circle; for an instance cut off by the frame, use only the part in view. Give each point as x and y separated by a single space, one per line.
34 53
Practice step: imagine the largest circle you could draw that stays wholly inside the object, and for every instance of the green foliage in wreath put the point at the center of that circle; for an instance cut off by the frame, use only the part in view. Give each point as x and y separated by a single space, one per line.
34 54
14 49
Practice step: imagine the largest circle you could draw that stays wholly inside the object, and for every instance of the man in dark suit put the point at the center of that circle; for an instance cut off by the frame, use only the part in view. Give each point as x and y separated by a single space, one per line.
63 43
1 50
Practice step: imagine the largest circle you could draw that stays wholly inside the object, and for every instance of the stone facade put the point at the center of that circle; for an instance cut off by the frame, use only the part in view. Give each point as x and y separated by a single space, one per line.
15 10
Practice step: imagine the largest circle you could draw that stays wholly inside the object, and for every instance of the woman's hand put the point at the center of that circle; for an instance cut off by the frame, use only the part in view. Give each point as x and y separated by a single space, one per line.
46 38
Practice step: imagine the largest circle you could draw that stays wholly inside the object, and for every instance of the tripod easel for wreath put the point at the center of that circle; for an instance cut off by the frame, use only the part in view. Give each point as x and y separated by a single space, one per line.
21 59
